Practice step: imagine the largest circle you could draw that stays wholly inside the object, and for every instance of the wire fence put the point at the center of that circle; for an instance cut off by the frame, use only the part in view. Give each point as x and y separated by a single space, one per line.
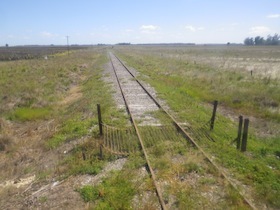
119 141
224 131
124 141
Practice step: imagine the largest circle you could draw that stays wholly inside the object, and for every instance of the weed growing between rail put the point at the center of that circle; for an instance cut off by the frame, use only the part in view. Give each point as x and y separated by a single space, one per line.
179 83
130 188
187 180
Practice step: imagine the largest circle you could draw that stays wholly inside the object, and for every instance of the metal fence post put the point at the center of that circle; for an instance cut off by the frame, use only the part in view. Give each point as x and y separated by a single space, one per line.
99 120
239 132
101 152
245 135
212 121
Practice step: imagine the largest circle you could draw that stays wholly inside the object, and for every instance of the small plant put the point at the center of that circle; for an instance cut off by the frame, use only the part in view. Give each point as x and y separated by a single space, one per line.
89 193
192 167
136 161
263 151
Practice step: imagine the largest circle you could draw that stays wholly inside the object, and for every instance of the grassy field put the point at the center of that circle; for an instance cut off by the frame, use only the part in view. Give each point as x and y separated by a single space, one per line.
31 52
46 105
48 125
190 78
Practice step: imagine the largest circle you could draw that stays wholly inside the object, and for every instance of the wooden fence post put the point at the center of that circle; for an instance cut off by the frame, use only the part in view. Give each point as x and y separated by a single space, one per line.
99 120
239 132
245 135
212 121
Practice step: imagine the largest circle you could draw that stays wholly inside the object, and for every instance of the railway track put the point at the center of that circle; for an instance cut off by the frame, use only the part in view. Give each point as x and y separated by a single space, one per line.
166 146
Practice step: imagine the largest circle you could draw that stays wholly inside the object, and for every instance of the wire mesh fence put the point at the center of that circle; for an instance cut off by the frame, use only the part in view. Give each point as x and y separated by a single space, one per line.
124 141
119 141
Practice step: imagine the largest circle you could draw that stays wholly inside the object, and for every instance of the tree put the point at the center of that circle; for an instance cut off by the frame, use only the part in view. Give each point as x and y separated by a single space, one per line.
276 39
268 40
259 40
7 45
273 40
249 41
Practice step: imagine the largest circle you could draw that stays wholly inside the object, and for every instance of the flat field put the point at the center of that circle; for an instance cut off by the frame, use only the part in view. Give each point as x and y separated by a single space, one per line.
49 151
31 52
48 109
245 81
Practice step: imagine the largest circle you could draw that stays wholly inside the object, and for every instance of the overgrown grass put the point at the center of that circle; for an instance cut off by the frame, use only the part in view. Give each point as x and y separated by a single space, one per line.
84 159
115 192
236 89
82 115
71 129
186 86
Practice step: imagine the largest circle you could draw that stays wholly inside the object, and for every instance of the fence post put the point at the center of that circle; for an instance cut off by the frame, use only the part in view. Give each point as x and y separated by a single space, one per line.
99 120
245 135
100 152
212 121
239 132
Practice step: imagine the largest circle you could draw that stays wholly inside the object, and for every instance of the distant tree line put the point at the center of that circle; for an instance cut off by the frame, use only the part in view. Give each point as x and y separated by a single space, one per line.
123 43
258 40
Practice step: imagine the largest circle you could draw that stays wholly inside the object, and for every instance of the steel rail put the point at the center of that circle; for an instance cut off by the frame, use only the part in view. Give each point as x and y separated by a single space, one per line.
158 190
190 139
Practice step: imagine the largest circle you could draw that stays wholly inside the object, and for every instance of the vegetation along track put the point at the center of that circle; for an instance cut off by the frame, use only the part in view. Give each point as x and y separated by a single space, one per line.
183 175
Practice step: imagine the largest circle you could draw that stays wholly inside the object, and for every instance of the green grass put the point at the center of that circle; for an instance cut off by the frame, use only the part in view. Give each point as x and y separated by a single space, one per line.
29 114
115 192
234 89
89 193
71 129
81 116
186 87
41 84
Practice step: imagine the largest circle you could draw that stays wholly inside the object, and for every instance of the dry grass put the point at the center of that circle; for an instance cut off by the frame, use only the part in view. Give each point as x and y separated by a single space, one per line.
38 98
182 76
5 143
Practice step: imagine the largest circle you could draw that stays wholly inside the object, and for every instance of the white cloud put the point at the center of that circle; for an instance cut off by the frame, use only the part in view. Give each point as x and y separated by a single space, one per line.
46 34
273 16
194 29
149 28
259 30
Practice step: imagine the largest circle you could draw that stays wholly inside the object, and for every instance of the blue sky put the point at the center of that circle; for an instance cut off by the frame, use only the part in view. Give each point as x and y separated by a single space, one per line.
24 22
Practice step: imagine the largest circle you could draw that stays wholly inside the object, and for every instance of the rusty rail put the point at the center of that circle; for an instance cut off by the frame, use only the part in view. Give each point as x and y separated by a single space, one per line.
158 190
188 137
